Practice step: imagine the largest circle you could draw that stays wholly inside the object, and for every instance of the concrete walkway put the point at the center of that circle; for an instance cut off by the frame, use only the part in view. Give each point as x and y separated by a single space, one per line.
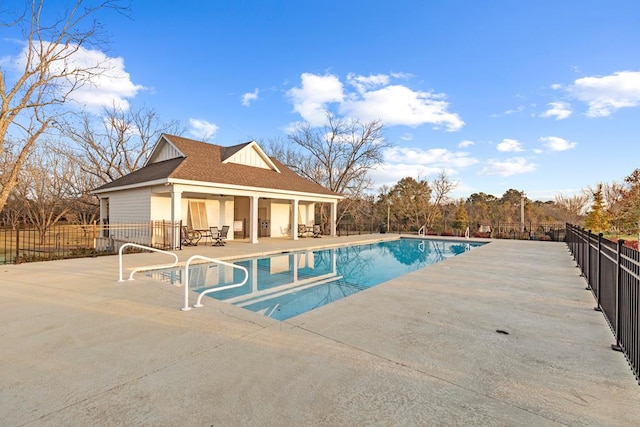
503 335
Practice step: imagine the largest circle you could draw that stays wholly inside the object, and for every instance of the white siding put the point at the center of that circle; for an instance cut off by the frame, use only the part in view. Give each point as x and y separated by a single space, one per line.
130 206
250 157
280 219
161 207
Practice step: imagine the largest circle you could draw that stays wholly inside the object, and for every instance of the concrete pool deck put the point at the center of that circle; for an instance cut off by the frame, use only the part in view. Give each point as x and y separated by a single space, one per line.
80 348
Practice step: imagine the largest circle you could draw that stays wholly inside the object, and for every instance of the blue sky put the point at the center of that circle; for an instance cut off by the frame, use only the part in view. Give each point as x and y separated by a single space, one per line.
541 96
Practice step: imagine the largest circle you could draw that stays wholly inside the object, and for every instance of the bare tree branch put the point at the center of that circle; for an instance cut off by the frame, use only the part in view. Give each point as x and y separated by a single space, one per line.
31 101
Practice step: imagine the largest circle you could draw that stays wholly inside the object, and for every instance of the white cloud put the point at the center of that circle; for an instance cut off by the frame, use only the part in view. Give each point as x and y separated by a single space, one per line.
556 86
508 167
108 84
554 143
518 109
606 94
390 173
202 129
373 98
311 99
466 143
406 137
362 83
438 157
509 145
559 110
402 162
399 105
249 97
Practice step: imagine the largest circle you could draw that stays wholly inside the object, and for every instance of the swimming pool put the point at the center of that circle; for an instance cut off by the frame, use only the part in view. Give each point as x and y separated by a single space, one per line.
285 285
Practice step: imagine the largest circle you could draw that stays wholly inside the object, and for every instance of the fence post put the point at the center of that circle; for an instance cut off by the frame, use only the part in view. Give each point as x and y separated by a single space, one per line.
588 272
17 258
616 346
574 240
599 266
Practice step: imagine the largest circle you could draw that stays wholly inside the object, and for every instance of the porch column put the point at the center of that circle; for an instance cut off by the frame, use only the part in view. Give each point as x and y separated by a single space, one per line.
176 215
294 220
253 219
334 216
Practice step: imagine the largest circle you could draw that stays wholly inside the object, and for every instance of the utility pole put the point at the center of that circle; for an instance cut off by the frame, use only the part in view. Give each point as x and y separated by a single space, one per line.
522 212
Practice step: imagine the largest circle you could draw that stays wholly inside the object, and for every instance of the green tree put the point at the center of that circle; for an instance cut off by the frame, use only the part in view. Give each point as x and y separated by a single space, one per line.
629 214
597 219
410 200
462 220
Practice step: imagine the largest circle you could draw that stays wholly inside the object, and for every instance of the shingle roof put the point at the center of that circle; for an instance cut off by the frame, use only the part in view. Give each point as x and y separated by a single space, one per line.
203 162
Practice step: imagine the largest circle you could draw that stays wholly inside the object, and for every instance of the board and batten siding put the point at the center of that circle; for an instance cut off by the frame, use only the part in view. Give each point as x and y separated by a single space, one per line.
166 152
130 206
249 157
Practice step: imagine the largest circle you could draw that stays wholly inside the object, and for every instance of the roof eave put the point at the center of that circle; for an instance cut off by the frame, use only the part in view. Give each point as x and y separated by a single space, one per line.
293 193
162 181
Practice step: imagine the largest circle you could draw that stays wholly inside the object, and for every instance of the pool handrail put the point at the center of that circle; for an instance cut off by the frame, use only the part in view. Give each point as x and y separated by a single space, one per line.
421 231
222 288
135 270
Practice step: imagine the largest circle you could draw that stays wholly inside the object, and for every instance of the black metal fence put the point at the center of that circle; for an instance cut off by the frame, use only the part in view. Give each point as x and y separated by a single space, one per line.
550 231
27 243
612 272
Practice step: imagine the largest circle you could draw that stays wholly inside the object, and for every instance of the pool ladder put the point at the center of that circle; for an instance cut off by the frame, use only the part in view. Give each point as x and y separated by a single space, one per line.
186 306
208 291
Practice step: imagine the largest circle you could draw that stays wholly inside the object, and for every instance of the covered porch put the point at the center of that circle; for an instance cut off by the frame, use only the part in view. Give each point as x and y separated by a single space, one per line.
249 213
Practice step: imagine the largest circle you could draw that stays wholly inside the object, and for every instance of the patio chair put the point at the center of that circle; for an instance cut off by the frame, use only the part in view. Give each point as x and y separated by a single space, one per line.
223 235
189 237
215 236
317 232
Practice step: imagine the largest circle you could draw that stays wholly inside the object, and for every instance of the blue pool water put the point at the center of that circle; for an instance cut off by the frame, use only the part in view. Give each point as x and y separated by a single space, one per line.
285 285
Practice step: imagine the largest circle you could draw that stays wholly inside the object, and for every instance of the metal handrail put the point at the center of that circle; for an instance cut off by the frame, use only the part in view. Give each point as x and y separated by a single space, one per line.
421 231
186 280
135 270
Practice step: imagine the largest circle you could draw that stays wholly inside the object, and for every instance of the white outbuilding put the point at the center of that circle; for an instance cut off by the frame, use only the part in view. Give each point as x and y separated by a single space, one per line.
202 185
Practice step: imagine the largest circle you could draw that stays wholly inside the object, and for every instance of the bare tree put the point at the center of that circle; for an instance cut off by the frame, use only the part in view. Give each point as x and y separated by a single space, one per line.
117 145
12 214
44 190
339 155
440 186
31 100
571 209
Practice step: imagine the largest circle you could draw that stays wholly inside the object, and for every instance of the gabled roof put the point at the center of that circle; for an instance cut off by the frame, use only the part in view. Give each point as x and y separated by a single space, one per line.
204 162
229 154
